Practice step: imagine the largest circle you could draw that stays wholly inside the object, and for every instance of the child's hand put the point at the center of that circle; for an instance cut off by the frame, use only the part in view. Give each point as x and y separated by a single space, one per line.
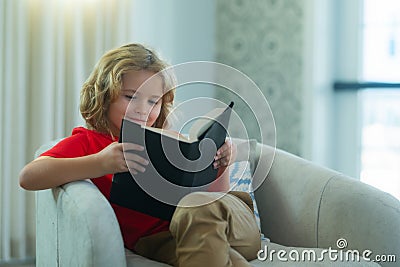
113 160
226 155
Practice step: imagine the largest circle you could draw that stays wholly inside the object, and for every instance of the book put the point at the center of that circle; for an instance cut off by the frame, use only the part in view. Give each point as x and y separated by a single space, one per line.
178 164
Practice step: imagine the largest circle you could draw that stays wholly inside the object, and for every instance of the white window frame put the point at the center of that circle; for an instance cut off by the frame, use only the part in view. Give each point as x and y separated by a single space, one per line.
332 124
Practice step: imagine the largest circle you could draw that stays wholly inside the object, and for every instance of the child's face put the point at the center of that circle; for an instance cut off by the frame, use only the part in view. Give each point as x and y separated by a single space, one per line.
145 104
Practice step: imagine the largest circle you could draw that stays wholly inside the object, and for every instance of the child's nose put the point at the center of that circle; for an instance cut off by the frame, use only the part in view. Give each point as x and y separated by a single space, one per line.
140 108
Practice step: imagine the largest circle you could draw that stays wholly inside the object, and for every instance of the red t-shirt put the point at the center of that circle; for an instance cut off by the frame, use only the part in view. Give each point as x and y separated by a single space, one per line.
83 142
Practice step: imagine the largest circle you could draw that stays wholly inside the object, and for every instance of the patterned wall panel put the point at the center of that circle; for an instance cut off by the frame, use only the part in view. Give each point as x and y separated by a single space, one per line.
263 39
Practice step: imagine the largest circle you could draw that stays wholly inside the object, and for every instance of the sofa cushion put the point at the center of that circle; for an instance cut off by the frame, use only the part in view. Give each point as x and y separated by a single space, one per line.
241 180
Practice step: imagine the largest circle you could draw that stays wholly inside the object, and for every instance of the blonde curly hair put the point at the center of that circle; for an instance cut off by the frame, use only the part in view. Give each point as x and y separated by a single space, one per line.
104 84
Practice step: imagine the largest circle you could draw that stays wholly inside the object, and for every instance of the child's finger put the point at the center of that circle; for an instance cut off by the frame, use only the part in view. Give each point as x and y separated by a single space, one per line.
136 158
221 163
132 165
132 146
226 147
223 154
215 165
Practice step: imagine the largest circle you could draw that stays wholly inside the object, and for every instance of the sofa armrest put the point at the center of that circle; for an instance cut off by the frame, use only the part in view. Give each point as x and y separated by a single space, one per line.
76 226
288 199
303 204
368 218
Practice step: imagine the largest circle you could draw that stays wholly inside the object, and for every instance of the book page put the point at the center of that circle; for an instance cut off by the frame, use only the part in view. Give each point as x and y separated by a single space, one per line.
203 123
169 133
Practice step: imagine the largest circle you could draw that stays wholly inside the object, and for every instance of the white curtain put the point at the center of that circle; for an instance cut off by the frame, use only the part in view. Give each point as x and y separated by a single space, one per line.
47 49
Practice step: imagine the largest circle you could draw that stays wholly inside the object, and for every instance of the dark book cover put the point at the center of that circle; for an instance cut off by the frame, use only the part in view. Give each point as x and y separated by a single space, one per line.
177 167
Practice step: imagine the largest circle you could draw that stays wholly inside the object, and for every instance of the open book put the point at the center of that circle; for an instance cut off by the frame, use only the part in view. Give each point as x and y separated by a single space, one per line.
178 164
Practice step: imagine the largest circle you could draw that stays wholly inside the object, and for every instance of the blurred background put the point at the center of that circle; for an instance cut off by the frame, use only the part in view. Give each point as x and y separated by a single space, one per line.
329 70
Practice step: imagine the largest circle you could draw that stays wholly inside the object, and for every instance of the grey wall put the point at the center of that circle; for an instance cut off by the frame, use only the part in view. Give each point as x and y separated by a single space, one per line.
181 30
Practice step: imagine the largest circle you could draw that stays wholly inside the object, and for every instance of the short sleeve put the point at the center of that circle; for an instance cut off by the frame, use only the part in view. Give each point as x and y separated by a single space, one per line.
69 147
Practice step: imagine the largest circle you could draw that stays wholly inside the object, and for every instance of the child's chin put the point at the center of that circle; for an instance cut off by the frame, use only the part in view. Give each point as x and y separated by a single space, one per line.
144 123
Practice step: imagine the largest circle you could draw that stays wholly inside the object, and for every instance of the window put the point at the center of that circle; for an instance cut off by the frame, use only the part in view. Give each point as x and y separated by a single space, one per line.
381 40
380 142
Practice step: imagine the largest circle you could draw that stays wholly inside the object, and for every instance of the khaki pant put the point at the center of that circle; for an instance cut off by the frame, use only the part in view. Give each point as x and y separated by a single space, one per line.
207 229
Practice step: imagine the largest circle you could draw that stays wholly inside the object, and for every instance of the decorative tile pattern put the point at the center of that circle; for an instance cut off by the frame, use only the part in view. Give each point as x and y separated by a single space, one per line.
264 40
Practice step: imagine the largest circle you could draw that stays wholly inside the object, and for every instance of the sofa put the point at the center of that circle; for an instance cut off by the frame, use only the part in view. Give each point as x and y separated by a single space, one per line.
310 216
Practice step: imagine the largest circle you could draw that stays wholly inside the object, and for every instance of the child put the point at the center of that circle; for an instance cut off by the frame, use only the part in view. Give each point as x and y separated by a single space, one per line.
221 233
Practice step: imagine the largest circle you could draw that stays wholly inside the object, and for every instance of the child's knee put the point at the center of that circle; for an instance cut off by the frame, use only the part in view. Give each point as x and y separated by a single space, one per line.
197 199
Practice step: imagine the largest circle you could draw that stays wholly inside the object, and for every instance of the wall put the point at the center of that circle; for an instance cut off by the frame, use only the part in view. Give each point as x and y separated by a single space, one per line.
265 40
180 31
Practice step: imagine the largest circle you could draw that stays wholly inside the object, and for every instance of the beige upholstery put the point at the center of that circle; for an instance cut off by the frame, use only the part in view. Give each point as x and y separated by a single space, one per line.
301 205
305 205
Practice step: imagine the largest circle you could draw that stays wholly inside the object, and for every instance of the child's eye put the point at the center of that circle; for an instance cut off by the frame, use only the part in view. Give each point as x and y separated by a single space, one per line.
130 96
154 101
